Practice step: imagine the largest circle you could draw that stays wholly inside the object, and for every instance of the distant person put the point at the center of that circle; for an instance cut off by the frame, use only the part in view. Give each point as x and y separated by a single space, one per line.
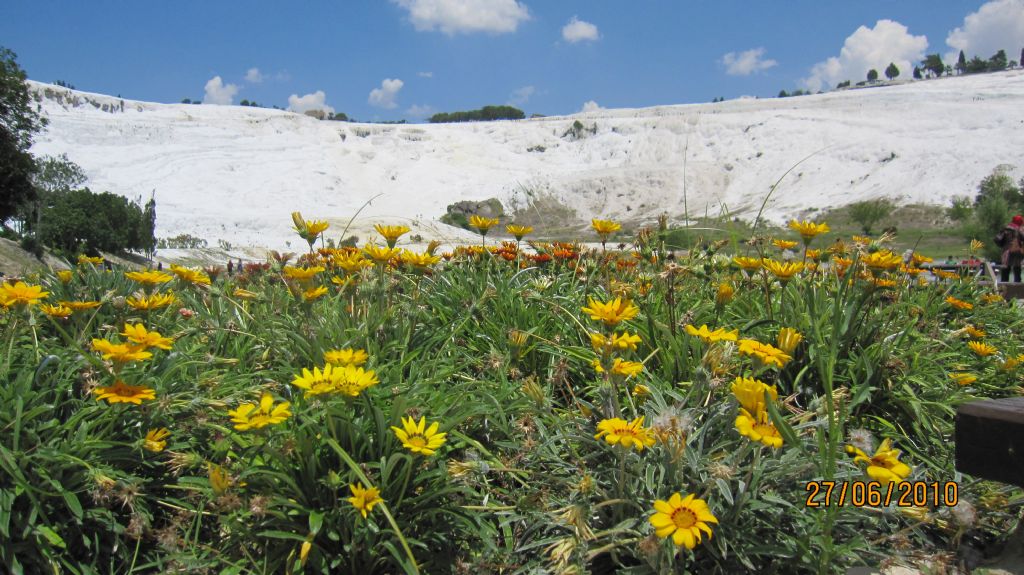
1011 239
950 261
231 267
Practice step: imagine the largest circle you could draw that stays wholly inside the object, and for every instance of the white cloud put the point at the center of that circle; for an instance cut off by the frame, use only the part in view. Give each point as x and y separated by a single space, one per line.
465 16
417 111
315 101
384 97
866 49
577 31
591 106
219 93
521 96
746 63
253 76
425 74
997 25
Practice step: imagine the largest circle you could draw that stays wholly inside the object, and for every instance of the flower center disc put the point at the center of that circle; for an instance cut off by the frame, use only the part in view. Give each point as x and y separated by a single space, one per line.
418 441
684 518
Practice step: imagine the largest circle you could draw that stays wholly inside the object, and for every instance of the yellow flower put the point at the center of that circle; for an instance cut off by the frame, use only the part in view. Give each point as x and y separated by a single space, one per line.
626 369
312 294
759 428
724 294
149 278
391 233
623 341
918 259
641 390
155 301
317 382
84 259
962 378
379 254
419 260
347 356
518 231
121 392
981 348
943 274
618 432
144 339
788 339
808 230
813 254
763 352
709 336
301 274
65 276
683 519
784 244
120 352
884 466
250 416
220 479
910 270
974 332
191 275
364 499
58 311
417 437
308 229
959 304
976 245
354 262
992 298
156 439
611 313
482 224
882 260
750 393
784 271
1011 363
244 294
21 294
747 264
80 305
351 380
605 227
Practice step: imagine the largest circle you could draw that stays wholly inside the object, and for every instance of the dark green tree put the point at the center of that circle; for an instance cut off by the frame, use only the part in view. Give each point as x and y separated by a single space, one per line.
976 66
872 75
869 212
18 122
892 71
961 63
933 64
917 73
997 62
83 221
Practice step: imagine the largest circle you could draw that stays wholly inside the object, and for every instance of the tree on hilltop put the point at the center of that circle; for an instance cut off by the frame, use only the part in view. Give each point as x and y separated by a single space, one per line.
933 64
961 63
892 71
872 75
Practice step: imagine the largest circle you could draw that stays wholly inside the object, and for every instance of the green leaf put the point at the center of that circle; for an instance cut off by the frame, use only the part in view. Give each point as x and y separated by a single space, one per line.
50 535
316 521
73 504
274 534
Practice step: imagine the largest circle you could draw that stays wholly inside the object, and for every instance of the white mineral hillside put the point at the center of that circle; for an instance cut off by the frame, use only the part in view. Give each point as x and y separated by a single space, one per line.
236 173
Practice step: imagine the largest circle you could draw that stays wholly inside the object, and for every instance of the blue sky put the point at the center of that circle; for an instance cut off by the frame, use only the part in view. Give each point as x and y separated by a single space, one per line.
394 59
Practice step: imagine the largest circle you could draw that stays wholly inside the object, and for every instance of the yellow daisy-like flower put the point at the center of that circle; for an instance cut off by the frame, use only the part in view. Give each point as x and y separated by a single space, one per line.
347 356
683 519
220 479
418 260
121 392
21 294
623 341
959 304
1011 363
784 244
364 499
354 262
65 276
144 339
992 298
351 380
381 255
149 278
918 260
961 378
605 227
763 352
976 245
882 260
750 393
946 275
788 339
982 349
84 259
156 439
314 293
623 368
911 271
250 416
147 303
611 313
245 294
191 275
758 427
747 264
317 382
814 254
711 336
784 271
308 229
724 294
974 332
482 224
120 352
391 233
632 434
58 311
884 466
517 231
301 274
808 230
417 437
80 305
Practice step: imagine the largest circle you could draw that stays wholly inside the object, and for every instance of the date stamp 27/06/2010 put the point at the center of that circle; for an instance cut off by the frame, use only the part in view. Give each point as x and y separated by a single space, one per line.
875 494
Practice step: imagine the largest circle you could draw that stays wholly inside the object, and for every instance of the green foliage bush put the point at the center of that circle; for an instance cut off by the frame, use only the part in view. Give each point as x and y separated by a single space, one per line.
84 221
487 113
869 212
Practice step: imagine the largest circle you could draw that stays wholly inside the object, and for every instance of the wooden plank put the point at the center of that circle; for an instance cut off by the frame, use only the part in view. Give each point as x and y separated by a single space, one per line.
989 440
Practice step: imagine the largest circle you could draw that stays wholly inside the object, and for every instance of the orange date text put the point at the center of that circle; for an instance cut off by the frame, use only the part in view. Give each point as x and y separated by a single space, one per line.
875 494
